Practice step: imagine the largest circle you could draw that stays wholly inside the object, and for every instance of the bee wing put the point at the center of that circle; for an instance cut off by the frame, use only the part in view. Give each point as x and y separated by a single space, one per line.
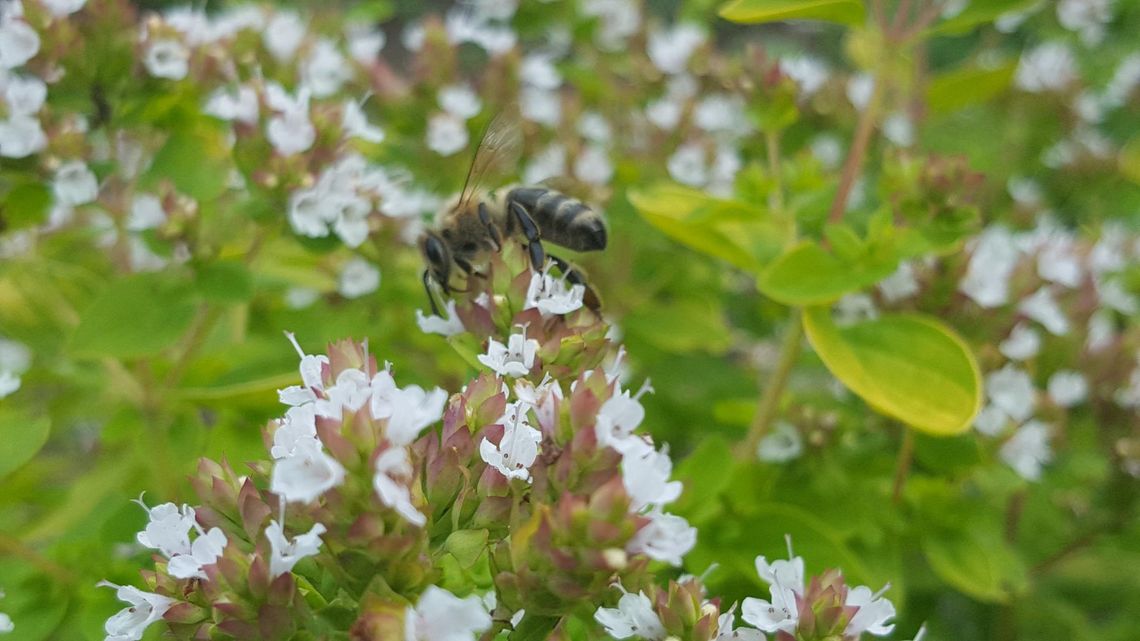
497 154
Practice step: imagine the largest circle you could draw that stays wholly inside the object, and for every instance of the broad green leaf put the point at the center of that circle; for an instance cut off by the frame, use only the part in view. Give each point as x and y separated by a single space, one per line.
227 281
195 159
848 12
135 316
706 473
966 86
910 367
25 205
21 436
978 13
467 546
980 565
810 275
691 217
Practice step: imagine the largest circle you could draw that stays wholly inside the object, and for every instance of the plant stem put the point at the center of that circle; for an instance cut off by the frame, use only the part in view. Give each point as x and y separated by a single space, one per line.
770 399
902 469
776 197
862 140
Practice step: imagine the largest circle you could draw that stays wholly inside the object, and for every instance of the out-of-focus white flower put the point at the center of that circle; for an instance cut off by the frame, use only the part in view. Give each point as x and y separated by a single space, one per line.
1022 344
1043 308
645 473
593 165
665 113
449 326
548 163
1058 262
283 35
1046 67
290 130
543 106
144 609
633 617
21 136
19 43
167 58
146 213
722 115
284 554
855 308
393 473
899 285
670 49
60 8
553 295
538 70
74 184
514 359
1025 191
517 450
24 95
859 88
1027 451
441 616
687 165
1101 331
1124 81
1086 17
325 70
807 72
459 101
464 25
447 134
666 537
364 42
1068 388
358 277
991 420
991 264
899 129
594 127
827 150
305 475
6 624
228 104
1113 296
1012 390
617 21
783 444
9 383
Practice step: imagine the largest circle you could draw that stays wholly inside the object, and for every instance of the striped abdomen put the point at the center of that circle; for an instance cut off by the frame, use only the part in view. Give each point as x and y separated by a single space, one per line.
562 220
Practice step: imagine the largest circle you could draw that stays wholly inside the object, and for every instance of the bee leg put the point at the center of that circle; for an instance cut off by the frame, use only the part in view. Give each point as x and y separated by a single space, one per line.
530 231
468 268
430 293
492 228
590 299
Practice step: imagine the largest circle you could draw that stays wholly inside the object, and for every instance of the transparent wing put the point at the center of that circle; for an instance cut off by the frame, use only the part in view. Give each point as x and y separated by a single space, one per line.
497 154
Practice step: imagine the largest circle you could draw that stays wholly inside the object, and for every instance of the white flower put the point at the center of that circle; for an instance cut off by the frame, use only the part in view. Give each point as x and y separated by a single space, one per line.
1022 344
593 165
543 106
855 308
991 420
299 424
60 8
467 26
873 614
312 377
991 263
1068 388
146 213
645 473
291 132
722 114
1124 80
543 399
727 630
9 383
783 444
688 166
228 104
441 616
145 608
617 21
167 58
19 43
514 359
205 550
899 285
859 88
1043 308
74 184
618 417
518 447
1012 390
1047 67
664 112
548 163
305 475
671 49
786 572
284 554
633 617
538 70
358 277
21 136
459 101
594 127
24 95
1025 191
778 614
351 391
449 326
356 125
325 69
393 474
1027 451
1113 296
168 531
447 134
807 72
409 410
1057 262
14 356
283 35
898 129
552 296
1101 331
6 624
1086 17
665 538
364 42
827 150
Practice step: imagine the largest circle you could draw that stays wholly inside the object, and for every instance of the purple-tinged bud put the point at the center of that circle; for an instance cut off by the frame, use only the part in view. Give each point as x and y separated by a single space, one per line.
276 621
378 621
183 612
281 590
258 581
252 509
349 354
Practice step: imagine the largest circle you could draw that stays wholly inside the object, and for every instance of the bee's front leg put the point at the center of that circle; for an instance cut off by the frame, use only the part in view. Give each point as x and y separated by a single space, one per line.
530 231
492 228
430 294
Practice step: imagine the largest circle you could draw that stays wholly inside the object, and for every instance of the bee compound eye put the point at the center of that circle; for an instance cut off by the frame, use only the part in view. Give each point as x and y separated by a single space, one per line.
433 249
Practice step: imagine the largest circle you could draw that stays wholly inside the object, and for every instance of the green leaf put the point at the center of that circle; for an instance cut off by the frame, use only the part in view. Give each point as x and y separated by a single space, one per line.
227 281
135 316
706 473
966 86
848 12
807 274
467 546
1129 160
979 564
21 436
910 367
25 205
976 14
195 159
533 628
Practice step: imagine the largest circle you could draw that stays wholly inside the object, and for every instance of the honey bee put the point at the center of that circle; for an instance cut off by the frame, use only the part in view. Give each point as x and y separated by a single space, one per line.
477 221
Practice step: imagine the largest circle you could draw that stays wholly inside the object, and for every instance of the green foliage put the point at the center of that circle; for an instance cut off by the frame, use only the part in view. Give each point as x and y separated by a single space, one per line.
849 12
22 437
135 316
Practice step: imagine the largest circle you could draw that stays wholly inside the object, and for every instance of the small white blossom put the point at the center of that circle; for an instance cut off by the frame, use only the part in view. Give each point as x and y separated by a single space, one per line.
1086 17
722 115
1113 296
688 166
855 308
543 399
21 136
459 101
645 473
1047 67
168 531
551 295
1101 331
283 35
1043 308
167 58
899 129
447 134
518 447
409 410
364 42
74 184
351 391
807 72
290 130
991 264
393 474
991 420
146 213
24 95
827 150
727 630
60 8
666 538
230 104
779 614
548 163
594 127
6 624
1057 262
538 70
617 21
665 113
873 614
671 49
9 383
783 444
284 554
633 617
205 550
1027 451
1068 388
899 285
1022 344
543 106
356 125
449 326
514 359
441 616
299 424
325 70
145 608
859 88
1012 390
19 42
593 165
358 277
618 417
305 475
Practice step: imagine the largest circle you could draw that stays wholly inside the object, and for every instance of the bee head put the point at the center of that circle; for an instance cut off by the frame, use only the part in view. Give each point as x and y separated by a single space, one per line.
436 257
